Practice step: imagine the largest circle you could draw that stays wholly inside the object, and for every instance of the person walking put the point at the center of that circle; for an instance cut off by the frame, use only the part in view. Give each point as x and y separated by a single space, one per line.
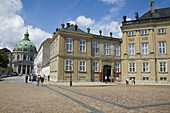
38 80
48 78
31 78
106 79
127 81
26 78
42 80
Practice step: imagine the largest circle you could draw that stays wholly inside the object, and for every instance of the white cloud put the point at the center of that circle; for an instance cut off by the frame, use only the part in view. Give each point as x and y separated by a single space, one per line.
128 19
72 22
85 22
12 26
113 1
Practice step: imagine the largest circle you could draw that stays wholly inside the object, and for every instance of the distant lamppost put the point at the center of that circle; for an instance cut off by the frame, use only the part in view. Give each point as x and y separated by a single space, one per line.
71 74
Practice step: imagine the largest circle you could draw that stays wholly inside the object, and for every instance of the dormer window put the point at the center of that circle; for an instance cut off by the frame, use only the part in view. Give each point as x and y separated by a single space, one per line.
161 31
131 33
144 32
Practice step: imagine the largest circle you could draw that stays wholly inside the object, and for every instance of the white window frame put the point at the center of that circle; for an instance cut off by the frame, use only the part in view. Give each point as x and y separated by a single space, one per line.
145 67
117 66
145 78
95 66
117 50
144 32
56 65
69 44
144 48
131 49
82 45
162 67
131 33
163 79
69 66
161 48
132 66
95 48
161 31
106 49
82 66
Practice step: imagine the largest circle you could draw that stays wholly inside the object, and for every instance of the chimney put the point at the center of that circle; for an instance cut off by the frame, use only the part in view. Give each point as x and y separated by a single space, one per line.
62 26
124 18
152 7
56 29
110 34
54 33
100 32
136 15
88 30
68 25
76 27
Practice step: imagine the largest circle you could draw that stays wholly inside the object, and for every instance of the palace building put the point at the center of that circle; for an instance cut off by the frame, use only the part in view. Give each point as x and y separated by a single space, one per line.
146 46
23 56
81 55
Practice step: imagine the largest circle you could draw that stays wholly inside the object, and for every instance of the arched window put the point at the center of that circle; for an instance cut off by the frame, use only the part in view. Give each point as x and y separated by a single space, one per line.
18 57
25 49
19 49
25 57
31 50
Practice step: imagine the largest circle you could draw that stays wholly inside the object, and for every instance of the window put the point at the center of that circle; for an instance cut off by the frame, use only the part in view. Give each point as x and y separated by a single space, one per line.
56 65
162 47
145 67
117 67
144 48
144 32
52 49
25 49
95 66
132 67
18 57
161 31
69 65
162 67
95 48
106 49
82 66
117 50
69 44
25 57
163 78
82 45
145 78
131 33
131 49
31 59
57 45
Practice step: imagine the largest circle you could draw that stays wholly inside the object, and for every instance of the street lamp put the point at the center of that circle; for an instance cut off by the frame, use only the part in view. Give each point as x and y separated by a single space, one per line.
71 74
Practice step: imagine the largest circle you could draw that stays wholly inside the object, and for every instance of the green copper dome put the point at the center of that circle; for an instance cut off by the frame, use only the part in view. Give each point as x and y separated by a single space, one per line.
25 45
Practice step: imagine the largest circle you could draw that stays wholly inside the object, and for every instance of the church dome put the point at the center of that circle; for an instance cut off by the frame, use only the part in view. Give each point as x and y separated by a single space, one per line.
25 45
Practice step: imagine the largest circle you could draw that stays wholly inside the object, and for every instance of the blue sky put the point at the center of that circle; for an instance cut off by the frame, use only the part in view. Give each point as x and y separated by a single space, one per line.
43 16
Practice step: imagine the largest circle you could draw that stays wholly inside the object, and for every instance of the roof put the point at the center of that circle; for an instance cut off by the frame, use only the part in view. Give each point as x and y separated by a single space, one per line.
159 13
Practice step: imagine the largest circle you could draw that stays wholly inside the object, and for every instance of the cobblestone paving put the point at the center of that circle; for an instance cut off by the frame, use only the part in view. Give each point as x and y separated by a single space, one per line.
18 97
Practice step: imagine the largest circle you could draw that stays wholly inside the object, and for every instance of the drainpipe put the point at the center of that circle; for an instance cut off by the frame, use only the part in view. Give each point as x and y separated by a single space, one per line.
156 79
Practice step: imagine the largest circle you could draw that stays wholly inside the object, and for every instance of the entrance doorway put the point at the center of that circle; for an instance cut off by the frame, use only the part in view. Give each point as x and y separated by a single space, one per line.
106 72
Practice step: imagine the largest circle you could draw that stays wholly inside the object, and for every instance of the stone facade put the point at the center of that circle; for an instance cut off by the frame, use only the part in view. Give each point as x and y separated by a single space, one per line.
145 47
80 55
42 60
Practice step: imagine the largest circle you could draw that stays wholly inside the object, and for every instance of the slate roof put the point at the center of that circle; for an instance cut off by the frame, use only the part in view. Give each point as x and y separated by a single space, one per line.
159 13
72 28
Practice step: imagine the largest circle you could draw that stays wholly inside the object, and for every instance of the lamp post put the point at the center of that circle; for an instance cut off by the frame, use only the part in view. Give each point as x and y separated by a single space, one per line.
71 74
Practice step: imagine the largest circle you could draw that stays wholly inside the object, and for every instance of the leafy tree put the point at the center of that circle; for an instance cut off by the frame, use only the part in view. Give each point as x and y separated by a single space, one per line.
3 59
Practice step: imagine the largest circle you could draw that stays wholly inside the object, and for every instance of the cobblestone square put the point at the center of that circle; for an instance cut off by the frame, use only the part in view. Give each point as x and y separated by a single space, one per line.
19 97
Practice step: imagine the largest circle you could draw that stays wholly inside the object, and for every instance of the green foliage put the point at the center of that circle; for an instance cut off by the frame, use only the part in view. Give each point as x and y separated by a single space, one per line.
3 59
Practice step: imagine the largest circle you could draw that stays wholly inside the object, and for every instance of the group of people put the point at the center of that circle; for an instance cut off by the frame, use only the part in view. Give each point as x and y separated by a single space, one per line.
110 79
132 80
38 79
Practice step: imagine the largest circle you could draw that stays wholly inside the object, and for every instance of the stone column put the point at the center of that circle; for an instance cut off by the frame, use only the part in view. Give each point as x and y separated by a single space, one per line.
26 70
21 69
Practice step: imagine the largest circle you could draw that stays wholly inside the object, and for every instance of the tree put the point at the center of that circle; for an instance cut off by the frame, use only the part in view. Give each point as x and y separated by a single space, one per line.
3 59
